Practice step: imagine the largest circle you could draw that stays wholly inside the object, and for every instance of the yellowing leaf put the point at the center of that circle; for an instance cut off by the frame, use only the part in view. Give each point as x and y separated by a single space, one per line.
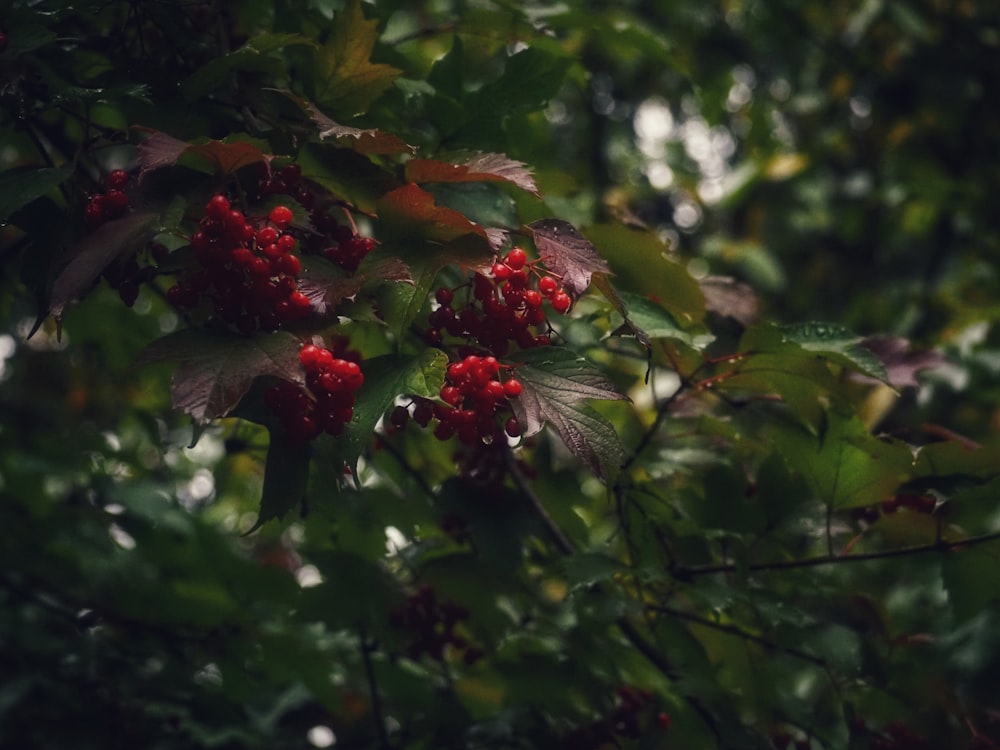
347 80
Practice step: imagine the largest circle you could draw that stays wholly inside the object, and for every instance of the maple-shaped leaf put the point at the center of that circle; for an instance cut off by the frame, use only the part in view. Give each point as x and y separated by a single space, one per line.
159 150
567 253
115 239
327 284
162 150
409 211
228 158
364 141
216 369
901 362
346 78
556 384
476 167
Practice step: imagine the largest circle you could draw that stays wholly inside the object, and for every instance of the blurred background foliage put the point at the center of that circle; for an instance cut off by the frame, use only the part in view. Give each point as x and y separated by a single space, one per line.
837 157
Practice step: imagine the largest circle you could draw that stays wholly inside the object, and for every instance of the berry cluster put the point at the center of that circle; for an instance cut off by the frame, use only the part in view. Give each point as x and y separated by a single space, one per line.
111 204
334 241
431 624
248 274
326 404
505 307
633 717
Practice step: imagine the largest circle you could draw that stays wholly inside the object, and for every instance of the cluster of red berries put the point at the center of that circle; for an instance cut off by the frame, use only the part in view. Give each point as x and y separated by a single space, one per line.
633 717
326 404
332 240
474 397
431 624
631 704
111 204
249 274
505 307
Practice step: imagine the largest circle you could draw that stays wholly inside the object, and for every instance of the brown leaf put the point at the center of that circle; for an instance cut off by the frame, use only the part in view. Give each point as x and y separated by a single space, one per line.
727 296
568 254
216 369
411 211
476 167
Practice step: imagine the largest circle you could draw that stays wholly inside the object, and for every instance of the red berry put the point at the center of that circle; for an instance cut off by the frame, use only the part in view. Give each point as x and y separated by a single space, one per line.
286 243
266 236
547 285
500 271
217 207
93 213
115 203
516 258
513 388
532 299
513 427
444 296
281 216
290 264
400 416
290 174
561 302
117 179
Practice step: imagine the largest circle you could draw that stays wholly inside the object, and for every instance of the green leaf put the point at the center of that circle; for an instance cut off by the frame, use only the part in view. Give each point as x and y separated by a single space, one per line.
258 54
640 263
216 369
801 380
386 378
846 466
286 476
19 187
556 384
364 141
657 323
836 342
585 568
347 81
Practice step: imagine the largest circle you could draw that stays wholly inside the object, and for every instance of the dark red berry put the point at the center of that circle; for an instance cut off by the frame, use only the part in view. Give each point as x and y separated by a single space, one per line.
561 302
281 216
513 388
547 286
117 179
516 258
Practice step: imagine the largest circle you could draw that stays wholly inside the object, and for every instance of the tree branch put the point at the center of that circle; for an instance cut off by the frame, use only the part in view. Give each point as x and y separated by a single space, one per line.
941 545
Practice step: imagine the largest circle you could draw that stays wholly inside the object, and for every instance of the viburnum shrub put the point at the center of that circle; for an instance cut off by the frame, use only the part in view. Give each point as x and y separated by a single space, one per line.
522 481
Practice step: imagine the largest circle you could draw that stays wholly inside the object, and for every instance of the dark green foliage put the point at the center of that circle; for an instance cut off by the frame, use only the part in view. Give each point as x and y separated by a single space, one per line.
736 487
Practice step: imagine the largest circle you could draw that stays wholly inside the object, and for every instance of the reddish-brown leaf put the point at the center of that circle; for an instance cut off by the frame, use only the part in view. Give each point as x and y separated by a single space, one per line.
115 239
326 284
476 167
567 253
216 369
409 211
162 150
364 141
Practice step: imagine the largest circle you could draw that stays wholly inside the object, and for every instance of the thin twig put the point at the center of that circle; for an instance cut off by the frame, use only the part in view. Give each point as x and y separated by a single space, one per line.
811 562
377 714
